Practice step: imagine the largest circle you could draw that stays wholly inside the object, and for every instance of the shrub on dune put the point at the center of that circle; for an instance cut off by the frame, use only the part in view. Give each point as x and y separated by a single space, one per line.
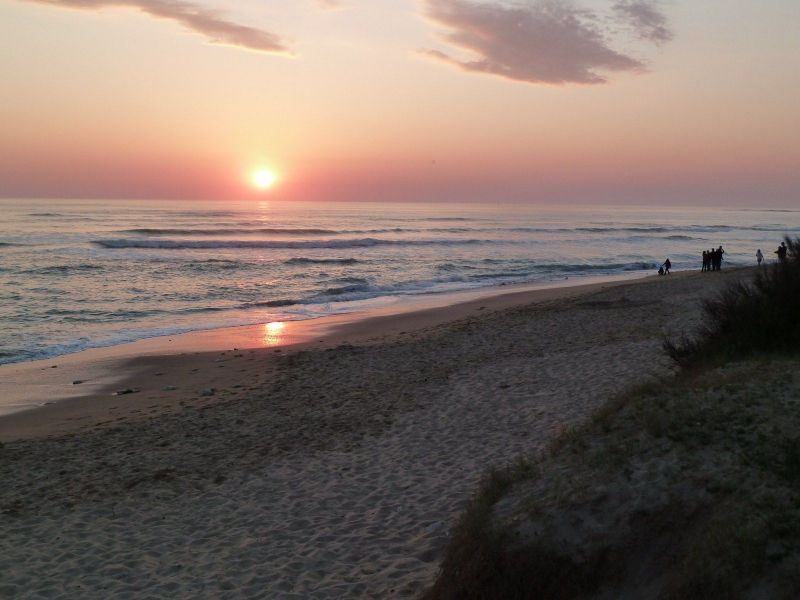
748 317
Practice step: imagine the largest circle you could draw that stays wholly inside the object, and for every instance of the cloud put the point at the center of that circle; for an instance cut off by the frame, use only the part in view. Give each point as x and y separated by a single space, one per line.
329 4
540 41
192 17
648 22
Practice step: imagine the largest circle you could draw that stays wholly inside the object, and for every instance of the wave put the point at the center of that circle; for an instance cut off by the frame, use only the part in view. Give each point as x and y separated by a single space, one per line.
83 315
627 266
321 261
533 268
450 267
415 230
362 290
448 219
159 231
201 213
270 303
646 229
62 269
216 264
500 275
775 210
311 231
61 216
275 244
348 289
264 230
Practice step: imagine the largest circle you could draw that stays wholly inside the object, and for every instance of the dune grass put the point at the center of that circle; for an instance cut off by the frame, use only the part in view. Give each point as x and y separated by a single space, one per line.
683 488
749 317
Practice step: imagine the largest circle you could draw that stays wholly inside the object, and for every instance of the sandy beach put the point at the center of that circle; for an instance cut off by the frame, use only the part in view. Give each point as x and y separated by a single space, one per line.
329 468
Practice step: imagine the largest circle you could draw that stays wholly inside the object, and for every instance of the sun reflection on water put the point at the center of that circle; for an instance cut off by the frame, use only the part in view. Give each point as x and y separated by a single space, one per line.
273 333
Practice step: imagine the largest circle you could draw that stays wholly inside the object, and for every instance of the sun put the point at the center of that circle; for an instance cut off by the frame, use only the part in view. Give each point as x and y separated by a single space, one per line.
264 179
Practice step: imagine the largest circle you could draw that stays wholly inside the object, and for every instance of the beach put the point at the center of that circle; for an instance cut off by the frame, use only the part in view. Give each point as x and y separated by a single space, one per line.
330 468
336 300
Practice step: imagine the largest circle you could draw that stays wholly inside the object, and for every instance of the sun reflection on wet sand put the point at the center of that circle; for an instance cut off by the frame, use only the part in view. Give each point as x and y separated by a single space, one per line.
273 333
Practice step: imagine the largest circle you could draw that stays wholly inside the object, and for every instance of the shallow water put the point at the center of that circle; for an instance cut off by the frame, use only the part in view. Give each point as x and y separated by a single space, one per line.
79 274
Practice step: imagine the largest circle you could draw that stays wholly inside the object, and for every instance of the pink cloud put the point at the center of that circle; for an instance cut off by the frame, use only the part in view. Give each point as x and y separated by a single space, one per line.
544 41
192 17
648 22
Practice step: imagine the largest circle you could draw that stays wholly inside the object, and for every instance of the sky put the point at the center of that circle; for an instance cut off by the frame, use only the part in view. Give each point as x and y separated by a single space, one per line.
551 101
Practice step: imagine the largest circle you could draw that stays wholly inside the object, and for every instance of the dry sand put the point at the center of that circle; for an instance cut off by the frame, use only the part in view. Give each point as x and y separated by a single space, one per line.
327 470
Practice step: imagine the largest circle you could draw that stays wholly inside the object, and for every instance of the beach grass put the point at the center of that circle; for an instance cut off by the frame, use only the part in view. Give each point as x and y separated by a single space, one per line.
685 487
760 316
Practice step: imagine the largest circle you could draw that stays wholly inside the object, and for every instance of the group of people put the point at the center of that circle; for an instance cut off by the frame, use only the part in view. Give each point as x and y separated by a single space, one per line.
712 259
781 252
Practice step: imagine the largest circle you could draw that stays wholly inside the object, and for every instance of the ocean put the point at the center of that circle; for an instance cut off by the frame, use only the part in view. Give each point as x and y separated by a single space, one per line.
81 274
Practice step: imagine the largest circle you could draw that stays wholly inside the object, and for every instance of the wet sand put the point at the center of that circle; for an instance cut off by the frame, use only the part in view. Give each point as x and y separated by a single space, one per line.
325 470
78 391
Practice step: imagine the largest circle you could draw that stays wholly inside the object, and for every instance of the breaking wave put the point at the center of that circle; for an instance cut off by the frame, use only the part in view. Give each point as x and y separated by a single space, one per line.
321 261
262 230
266 244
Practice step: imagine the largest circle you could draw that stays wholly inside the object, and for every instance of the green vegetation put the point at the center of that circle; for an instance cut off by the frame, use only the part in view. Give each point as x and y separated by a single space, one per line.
684 488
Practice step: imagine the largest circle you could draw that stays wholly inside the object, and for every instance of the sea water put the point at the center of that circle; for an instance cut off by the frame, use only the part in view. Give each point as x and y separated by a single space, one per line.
80 274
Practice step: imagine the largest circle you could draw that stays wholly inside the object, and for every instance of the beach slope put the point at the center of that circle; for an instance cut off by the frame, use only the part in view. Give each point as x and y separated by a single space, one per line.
325 473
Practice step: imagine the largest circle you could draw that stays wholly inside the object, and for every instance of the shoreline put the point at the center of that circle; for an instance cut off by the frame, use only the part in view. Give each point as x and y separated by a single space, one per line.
323 474
392 305
39 387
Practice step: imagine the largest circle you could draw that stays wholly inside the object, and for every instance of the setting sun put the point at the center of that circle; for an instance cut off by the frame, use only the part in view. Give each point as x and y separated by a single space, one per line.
264 179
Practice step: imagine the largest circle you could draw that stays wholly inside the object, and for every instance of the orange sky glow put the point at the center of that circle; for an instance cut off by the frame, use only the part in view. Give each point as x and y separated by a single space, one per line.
488 100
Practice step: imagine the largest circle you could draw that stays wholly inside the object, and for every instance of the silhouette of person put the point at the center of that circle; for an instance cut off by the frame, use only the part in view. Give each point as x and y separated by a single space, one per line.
719 254
705 261
781 252
759 256
667 266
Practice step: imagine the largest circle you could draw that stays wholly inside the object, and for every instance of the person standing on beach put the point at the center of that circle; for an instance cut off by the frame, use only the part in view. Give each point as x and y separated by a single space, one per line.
759 256
781 252
667 266
719 254
705 262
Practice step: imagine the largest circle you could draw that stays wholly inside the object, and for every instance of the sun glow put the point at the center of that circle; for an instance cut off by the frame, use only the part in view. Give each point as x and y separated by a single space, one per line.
273 333
264 179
